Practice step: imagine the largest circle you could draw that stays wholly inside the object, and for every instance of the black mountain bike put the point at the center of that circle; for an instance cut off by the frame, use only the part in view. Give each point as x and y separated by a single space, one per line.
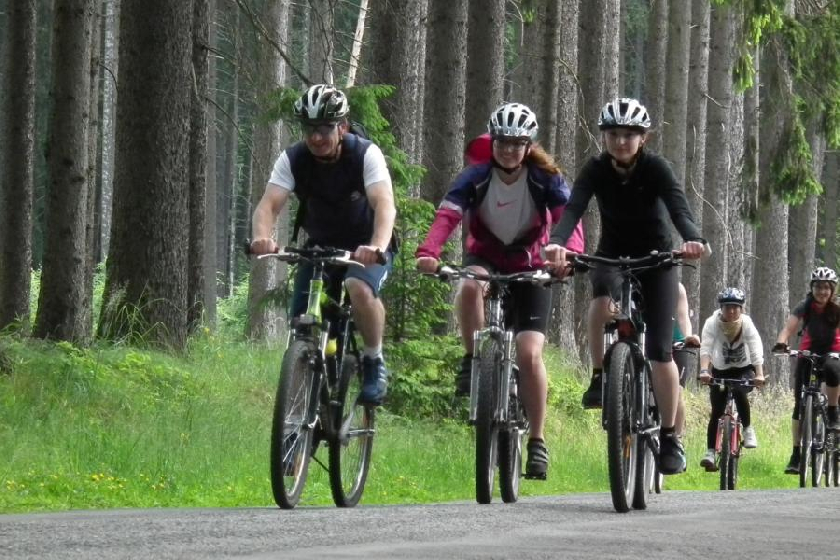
818 453
320 380
629 413
728 440
495 407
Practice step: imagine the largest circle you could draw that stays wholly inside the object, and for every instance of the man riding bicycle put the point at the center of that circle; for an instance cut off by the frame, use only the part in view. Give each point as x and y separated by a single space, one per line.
344 191
511 202
638 198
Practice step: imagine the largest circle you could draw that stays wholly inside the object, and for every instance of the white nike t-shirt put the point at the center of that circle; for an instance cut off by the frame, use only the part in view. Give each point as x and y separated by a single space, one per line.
507 210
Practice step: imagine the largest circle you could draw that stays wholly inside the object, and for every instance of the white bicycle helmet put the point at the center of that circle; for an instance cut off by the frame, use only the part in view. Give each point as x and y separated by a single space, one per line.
513 120
322 103
732 295
824 274
624 112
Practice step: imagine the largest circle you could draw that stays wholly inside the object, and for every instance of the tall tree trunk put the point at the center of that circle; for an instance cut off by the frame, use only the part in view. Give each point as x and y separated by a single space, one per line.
196 287
527 76
63 304
737 240
226 196
802 225
551 77
147 268
485 63
831 183
16 174
210 174
93 233
265 322
358 37
443 116
109 104
771 270
656 48
719 131
563 313
698 80
321 41
396 56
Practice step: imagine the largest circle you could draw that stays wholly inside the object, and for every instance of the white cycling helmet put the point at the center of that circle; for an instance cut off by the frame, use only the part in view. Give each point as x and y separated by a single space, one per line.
624 112
824 274
513 120
732 295
322 103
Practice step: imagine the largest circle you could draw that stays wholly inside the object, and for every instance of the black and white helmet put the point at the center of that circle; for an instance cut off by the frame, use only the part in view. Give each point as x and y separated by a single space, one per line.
323 103
824 274
624 112
732 295
513 120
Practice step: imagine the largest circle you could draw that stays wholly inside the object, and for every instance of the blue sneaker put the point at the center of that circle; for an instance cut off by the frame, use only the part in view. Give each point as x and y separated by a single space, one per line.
374 381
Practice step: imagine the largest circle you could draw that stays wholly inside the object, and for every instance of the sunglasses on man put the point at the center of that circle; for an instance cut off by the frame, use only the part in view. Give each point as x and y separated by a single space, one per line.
323 129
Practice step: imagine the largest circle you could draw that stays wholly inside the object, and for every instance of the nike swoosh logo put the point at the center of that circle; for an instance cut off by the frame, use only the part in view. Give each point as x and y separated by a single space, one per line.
500 205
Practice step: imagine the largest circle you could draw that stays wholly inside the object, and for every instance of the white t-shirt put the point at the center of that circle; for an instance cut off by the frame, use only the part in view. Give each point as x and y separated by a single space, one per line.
375 170
507 210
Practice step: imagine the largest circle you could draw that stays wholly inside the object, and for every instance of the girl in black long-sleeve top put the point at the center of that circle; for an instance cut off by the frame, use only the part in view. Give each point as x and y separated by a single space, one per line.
638 198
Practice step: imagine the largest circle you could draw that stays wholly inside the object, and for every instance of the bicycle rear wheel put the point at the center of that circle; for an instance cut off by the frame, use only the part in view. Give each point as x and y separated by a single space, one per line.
510 450
291 428
350 449
486 428
726 457
805 438
819 447
622 446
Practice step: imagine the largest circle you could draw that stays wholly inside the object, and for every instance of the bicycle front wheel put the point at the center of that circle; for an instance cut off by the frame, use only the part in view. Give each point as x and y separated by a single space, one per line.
510 449
805 438
486 428
351 446
622 447
291 428
818 452
726 457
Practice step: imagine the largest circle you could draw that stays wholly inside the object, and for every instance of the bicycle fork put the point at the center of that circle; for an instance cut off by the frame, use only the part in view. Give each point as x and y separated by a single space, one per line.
503 385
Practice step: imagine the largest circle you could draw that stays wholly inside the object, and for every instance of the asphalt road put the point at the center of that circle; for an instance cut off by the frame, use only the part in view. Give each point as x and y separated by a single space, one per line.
743 524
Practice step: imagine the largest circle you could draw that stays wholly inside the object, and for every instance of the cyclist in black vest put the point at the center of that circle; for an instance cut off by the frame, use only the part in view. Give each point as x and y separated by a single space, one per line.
344 190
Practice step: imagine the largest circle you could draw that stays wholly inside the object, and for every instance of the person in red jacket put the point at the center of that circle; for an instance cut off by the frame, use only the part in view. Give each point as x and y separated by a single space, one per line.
511 203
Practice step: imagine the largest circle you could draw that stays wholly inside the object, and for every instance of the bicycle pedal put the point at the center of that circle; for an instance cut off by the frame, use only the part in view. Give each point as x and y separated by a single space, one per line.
534 476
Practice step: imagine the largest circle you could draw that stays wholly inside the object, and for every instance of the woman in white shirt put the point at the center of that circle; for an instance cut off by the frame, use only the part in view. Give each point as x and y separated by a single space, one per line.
731 348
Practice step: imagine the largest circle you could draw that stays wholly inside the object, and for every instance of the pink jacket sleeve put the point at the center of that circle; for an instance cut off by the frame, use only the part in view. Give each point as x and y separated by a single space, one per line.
446 220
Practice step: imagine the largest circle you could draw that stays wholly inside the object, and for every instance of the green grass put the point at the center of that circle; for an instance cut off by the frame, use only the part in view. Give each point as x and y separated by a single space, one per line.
111 427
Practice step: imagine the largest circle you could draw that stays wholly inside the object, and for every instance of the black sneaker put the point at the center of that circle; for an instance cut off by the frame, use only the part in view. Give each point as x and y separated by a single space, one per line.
592 396
464 377
793 465
671 455
374 381
537 464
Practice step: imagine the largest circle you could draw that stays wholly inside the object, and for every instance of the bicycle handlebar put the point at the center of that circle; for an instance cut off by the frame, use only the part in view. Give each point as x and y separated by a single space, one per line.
723 382
327 255
540 277
808 354
655 259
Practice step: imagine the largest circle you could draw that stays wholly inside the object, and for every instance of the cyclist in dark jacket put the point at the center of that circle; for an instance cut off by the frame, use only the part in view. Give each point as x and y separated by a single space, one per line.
343 184
638 198
511 202
819 316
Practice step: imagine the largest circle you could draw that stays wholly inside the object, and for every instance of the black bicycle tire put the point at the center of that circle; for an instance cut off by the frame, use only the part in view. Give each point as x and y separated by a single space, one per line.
818 455
836 461
486 428
645 470
805 437
510 453
725 463
619 432
347 490
829 459
296 381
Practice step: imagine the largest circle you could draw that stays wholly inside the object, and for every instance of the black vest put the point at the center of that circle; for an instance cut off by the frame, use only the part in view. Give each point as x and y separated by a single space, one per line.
336 209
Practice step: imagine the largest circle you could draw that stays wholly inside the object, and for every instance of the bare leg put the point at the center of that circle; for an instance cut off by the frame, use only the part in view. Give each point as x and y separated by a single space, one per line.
368 312
469 305
680 418
599 315
666 386
532 375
